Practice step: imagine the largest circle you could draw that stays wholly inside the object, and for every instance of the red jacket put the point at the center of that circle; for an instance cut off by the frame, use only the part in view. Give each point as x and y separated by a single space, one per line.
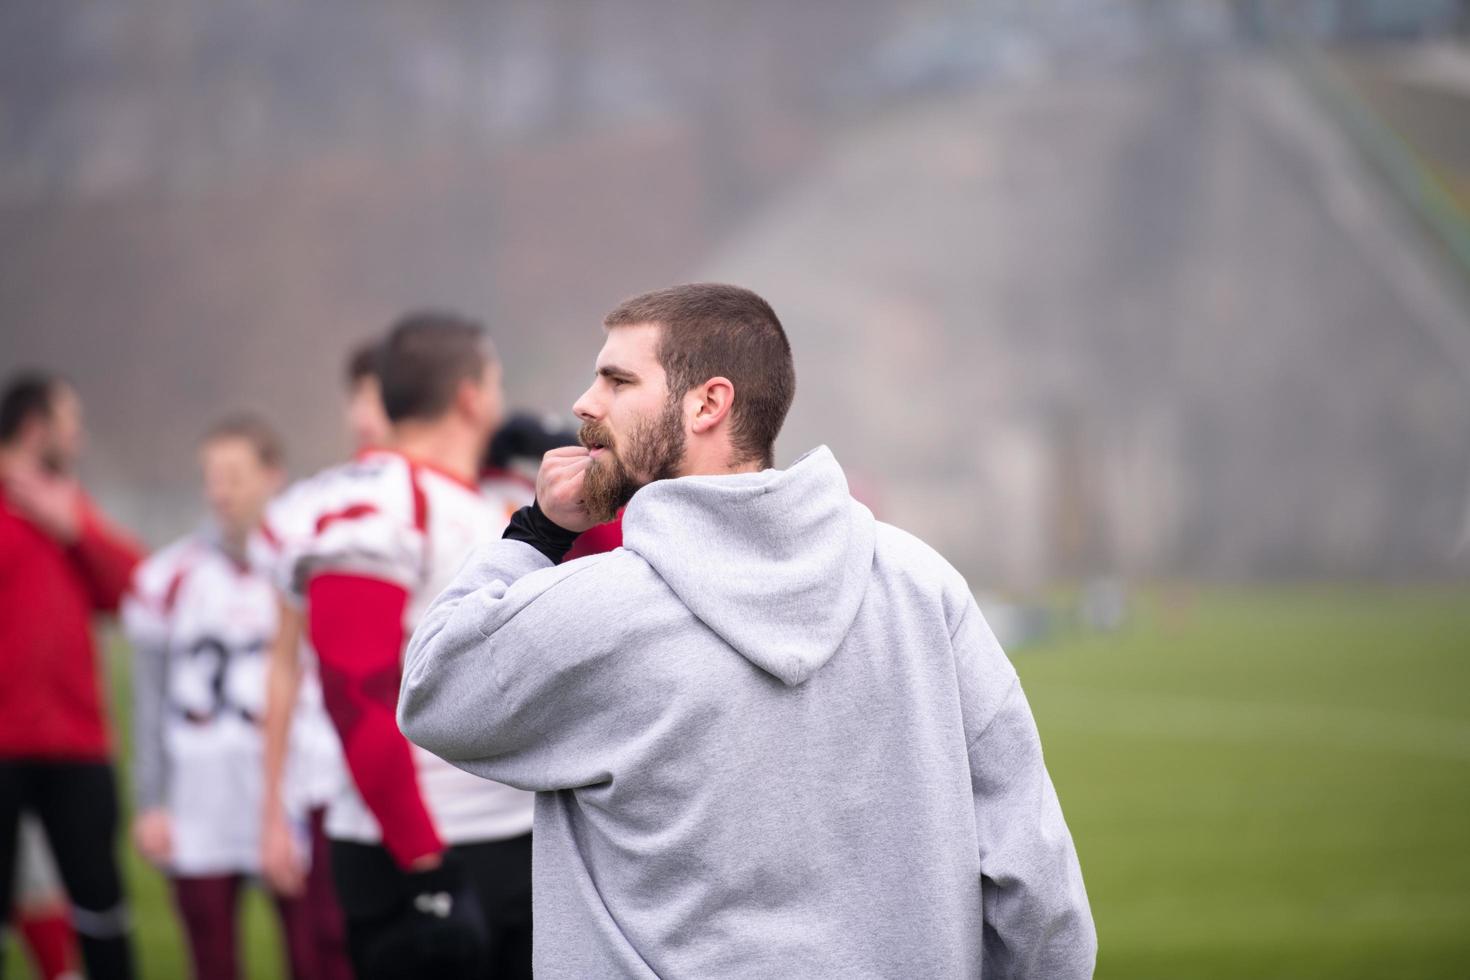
50 689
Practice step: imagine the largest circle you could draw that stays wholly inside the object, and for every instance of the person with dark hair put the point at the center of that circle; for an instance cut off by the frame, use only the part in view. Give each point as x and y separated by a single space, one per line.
432 864
199 619
771 736
60 561
365 417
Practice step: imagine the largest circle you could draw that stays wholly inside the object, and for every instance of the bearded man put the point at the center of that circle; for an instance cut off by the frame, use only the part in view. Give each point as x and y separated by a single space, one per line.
770 735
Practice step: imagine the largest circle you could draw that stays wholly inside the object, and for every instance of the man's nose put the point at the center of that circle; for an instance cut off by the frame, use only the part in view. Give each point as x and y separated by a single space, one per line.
586 408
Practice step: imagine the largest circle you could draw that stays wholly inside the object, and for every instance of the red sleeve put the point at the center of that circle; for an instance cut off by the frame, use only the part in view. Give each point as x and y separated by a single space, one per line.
356 626
603 537
106 558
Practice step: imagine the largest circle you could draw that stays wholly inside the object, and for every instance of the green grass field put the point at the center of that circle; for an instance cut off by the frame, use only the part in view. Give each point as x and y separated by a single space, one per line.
1266 784
1270 784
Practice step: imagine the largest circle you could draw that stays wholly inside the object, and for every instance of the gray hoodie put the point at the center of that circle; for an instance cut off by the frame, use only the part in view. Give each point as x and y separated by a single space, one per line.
770 737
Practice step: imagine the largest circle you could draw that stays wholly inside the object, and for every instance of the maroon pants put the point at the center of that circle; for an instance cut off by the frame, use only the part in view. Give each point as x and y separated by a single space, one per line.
311 924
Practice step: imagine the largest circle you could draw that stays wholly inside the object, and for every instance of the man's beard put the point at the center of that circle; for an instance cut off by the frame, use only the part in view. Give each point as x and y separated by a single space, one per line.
652 451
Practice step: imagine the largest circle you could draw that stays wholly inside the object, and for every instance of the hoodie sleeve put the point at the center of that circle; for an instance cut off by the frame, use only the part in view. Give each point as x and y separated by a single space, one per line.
1038 923
503 680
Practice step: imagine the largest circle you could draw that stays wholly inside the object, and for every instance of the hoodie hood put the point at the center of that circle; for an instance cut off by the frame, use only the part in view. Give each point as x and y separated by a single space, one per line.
777 563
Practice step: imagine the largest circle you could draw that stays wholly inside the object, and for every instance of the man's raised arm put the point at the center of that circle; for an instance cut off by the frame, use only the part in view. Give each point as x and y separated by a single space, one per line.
450 693
451 689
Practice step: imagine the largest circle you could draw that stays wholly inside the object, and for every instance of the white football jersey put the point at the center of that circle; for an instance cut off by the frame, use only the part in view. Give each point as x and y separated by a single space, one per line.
399 520
212 618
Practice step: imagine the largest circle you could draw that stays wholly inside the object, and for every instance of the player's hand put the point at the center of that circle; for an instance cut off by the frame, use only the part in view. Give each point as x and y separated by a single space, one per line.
153 835
280 858
559 488
428 862
52 503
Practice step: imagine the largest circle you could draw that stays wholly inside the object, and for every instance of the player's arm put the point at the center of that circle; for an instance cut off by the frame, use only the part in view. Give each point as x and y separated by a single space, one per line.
356 626
147 632
280 861
1038 923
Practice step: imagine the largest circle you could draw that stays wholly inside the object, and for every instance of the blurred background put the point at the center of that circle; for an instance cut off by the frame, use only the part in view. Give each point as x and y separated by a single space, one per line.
1152 315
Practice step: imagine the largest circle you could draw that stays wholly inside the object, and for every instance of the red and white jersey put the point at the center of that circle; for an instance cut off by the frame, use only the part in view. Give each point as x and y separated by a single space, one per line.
211 619
290 517
388 517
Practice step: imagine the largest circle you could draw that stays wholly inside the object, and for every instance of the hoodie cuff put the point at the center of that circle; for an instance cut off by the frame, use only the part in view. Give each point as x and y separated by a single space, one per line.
533 527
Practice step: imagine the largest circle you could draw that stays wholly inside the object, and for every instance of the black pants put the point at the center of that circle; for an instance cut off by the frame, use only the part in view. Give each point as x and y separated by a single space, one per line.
76 803
377 898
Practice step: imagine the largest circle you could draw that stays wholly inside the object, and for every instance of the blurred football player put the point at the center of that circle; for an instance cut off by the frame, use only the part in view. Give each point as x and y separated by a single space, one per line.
364 414
432 865
200 619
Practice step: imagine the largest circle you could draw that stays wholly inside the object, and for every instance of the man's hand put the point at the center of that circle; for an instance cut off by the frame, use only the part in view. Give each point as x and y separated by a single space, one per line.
280 859
153 835
559 488
52 503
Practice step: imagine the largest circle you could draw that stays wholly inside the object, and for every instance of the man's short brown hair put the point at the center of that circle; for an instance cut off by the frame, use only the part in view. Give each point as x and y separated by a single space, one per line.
714 330
423 360
259 433
363 362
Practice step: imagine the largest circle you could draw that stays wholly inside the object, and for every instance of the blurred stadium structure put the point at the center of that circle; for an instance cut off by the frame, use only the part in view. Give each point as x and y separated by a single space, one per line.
1078 287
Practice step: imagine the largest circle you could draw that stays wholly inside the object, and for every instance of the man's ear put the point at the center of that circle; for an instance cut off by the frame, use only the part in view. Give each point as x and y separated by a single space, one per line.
465 397
712 403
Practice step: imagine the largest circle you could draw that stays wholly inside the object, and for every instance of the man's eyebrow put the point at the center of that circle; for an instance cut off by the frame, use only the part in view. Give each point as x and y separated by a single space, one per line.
613 372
